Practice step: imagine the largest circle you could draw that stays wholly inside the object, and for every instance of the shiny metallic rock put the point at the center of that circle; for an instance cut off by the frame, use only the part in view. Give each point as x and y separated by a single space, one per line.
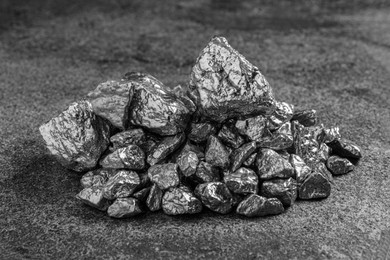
153 202
250 161
280 139
180 200
284 190
253 127
215 196
206 172
258 206
239 155
167 146
306 117
126 138
164 175
345 148
154 107
324 152
124 208
188 147
242 181
142 194
77 137
331 134
200 132
188 162
111 100
121 185
93 196
131 157
316 185
271 165
182 92
96 177
216 153
227 84
283 113
230 137
338 165
300 167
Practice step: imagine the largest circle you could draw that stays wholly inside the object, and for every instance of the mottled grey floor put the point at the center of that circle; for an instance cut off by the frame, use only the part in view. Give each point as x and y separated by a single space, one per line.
334 58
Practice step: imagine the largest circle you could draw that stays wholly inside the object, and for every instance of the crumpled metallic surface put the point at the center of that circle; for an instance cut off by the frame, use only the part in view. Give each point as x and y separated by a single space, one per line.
206 172
215 196
164 175
338 165
316 185
242 181
280 139
167 146
124 208
230 137
142 194
153 202
258 206
239 155
154 107
189 147
188 162
323 152
345 148
199 132
122 139
271 165
111 100
182 92
93 196
96 177
131 157
284 190
331 134
250 161
307 117
77 137
180 200
227 84
300 167
121 185
216 153
253 127
283 113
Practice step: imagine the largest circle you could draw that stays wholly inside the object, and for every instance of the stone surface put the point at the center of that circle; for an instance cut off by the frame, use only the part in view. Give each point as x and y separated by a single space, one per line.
111 100
131 157
345 148
206 173
307 117
124 208
242 181
227 84
230 136
188 162
153 202
280 139
283 113
121 185
338 165
132 136
96 177
284 190
180 200
239 155
154 107
253 127
93 196
77 137
216 153
215 196
271 165
250 161
200 132
164 175
167 146
142 194
258 206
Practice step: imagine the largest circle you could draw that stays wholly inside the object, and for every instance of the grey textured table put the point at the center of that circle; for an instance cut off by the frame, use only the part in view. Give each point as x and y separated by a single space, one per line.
332 58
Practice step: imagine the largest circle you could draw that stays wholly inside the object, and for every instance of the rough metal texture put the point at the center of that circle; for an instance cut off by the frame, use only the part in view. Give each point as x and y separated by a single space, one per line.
316 185
154 107
331 134
345 148
153 202
307 117
227 84
230 137
124 208
164 175
111 101
283 113
167 146
180 200
182 92
206 173
338 165
239 155
200 132
215 196
121 185
133 136
250 161
271 165
253 127
242 181
216 153
284 190
77 137
257 206
131 157
300 168
96 177
188 162
189 147
280 139
142 194
93 196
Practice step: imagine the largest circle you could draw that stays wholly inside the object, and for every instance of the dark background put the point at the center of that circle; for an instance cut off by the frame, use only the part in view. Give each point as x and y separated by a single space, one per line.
332 56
